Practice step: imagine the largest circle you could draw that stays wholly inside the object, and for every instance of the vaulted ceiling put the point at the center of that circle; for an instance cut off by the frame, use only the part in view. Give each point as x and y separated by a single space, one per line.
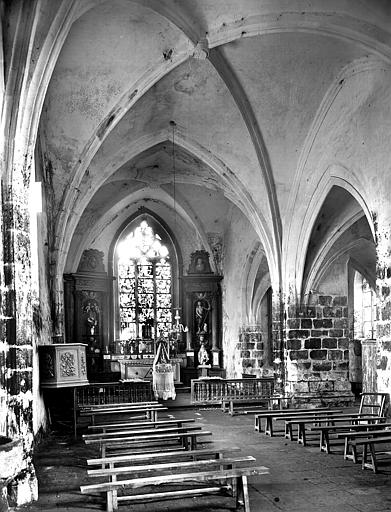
245 82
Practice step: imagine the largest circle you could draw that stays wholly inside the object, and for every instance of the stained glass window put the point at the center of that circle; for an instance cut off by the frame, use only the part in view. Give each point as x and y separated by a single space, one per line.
144 285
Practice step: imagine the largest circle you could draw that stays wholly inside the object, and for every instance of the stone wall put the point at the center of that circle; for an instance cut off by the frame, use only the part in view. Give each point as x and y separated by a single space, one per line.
317 351
250 351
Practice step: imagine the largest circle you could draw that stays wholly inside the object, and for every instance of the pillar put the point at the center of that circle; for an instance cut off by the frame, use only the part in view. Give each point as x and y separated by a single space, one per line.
317 351
382 225
16 292
278 343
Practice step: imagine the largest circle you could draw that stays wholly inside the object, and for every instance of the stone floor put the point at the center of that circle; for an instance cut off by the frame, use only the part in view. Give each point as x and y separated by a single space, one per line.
301 478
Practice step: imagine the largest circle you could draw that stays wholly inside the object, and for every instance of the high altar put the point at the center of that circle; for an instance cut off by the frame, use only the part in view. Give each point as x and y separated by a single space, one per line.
88 295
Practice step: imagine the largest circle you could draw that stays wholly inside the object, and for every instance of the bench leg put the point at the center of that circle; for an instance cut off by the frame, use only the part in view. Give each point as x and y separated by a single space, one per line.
373 464
269 427
235 481
350 456
112 502
354 454
231 408
364 456
301 434
288 431
244 491
346 450
324 441
257 423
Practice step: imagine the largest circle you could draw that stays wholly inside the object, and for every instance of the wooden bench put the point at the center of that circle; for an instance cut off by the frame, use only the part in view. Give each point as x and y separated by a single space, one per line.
330 420
137 432
176 455
228 404
107 427
371 442
188 440
357 431
116 406
149 411
341 431
269 416
228 479
152 468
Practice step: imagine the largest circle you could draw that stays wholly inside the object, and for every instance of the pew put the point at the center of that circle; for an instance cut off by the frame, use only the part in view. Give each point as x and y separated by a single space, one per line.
373 430
234 479
149 411
344 430
371 443
107 427
188 440
330 420
117 434
228 404
283 414
176 455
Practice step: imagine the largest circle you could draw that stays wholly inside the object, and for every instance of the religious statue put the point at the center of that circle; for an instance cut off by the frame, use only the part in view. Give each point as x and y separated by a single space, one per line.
91 310
203 356
201 316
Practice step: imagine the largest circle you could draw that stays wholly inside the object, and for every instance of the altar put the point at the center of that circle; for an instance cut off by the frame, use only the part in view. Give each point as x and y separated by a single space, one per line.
135 368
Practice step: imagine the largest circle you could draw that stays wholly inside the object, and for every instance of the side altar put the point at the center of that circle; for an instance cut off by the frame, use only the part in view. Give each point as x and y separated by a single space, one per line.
202 293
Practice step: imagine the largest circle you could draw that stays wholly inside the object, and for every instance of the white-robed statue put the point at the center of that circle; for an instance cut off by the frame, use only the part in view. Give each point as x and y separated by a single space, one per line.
163 373
203 356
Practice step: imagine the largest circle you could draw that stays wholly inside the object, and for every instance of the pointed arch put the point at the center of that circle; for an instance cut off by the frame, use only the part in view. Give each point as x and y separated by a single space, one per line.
231 185
159 226
335 175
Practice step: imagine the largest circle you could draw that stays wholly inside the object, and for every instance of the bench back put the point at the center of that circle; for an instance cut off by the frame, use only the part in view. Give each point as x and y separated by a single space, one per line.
374 403
204 391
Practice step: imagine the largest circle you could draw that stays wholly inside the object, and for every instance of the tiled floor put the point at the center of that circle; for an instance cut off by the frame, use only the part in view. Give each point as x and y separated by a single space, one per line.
301 478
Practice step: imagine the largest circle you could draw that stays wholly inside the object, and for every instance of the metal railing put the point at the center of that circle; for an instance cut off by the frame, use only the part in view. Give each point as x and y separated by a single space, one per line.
214 390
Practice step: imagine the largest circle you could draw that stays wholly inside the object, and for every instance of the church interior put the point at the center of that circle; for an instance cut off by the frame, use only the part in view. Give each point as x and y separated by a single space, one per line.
200 183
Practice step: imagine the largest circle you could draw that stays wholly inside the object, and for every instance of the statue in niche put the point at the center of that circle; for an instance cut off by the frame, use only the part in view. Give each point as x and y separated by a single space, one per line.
91 312
201 314
203 356
216 244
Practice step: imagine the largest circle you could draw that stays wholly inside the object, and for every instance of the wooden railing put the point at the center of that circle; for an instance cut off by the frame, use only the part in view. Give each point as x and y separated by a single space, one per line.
214 390
113 393
109 393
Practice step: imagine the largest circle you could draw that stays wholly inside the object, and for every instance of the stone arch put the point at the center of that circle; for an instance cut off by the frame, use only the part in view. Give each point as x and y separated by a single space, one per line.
233 188
335 175
175 252
322 172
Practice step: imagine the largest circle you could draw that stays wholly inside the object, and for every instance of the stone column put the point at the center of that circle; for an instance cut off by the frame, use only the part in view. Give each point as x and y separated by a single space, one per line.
318 351
250 349
382 223
278 344
17 148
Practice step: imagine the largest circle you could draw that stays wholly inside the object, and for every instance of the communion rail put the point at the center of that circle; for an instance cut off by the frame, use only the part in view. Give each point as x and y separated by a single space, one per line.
109 393
113 393
215 390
